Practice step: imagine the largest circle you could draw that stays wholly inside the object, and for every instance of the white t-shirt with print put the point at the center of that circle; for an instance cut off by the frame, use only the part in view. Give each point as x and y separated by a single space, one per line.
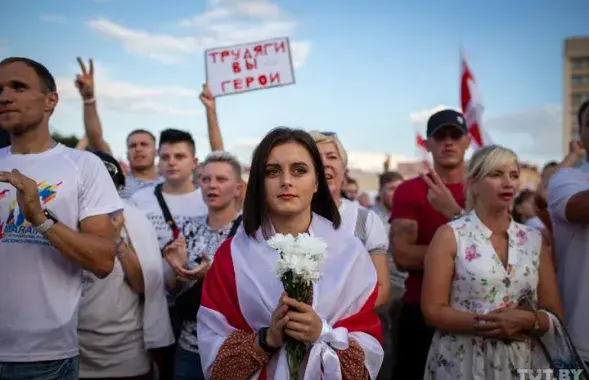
201 238
571 242
41 288
183 207
376 236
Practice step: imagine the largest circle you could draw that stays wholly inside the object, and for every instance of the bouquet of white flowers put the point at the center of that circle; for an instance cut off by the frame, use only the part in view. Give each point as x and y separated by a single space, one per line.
298 268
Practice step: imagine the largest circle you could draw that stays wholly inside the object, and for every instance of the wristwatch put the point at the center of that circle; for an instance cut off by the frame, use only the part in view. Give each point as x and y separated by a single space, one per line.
263 341
47 224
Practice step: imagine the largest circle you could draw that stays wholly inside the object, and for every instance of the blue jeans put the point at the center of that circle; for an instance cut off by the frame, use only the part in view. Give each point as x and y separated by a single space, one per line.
187 366
65 369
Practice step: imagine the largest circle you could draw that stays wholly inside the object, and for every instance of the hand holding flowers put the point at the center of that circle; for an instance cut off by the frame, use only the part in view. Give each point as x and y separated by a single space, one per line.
275 337
303 324
298 267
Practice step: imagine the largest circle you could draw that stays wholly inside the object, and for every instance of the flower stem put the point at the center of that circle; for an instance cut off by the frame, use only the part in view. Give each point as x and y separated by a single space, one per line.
295 350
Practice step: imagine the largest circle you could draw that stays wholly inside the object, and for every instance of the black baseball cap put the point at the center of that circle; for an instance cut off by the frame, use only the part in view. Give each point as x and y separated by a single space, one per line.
446 118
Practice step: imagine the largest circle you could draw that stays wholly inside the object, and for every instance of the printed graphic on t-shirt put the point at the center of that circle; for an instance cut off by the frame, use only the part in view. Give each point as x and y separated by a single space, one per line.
164 233
14 228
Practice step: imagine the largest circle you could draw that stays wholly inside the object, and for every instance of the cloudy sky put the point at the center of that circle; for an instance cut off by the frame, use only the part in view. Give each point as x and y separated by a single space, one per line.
370 70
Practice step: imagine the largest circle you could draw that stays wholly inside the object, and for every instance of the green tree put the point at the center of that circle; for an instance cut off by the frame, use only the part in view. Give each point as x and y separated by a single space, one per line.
69 141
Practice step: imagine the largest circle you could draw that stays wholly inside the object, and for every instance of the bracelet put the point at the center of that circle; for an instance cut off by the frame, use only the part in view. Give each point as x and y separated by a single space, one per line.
459 214
536 328
90 101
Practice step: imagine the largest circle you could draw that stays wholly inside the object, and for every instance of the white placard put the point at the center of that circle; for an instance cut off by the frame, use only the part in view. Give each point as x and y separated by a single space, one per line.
248 67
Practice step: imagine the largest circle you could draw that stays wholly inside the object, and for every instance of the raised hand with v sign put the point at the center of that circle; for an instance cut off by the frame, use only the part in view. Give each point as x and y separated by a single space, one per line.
85 80
439 196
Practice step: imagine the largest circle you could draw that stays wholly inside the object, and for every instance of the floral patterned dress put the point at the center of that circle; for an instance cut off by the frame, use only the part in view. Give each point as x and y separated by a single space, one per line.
482 284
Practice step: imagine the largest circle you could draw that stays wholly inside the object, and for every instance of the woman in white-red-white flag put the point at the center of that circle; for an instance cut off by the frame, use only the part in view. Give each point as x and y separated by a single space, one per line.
244 315
472 107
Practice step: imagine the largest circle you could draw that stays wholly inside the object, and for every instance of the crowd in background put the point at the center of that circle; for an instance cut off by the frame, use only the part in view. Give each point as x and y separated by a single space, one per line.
161 270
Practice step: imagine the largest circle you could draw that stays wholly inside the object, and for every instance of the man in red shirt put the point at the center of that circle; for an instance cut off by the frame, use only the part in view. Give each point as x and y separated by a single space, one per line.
420 206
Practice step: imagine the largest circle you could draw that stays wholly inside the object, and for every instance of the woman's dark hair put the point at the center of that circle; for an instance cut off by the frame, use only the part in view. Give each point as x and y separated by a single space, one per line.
523 196
255 212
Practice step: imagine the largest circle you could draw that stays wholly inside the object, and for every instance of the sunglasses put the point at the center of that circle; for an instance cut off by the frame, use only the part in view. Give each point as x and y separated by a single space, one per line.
328 133
453 133
111 168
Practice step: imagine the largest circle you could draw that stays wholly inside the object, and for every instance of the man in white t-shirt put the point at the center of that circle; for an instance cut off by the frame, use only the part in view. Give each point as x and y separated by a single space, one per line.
54 221
568 204
177 157
183 200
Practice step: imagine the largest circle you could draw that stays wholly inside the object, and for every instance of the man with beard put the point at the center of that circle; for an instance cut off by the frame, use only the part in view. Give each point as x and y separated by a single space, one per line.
54 221
141 153
420 206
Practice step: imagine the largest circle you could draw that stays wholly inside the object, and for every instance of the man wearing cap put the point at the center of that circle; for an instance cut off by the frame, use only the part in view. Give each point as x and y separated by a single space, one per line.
419 207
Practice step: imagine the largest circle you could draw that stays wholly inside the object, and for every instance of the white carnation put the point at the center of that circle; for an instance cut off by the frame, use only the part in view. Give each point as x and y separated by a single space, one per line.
312 246
282 243
302 256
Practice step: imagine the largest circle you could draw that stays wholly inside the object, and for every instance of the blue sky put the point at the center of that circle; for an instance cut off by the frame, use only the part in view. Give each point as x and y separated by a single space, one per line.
369 70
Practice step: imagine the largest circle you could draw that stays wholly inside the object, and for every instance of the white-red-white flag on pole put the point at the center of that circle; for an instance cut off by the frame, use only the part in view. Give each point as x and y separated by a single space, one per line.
472 106
422 151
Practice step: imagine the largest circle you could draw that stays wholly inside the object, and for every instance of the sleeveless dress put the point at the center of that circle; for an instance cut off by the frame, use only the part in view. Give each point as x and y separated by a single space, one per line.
482 284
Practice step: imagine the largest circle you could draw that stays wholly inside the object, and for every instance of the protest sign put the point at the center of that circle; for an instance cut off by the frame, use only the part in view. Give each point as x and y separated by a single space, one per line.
251 66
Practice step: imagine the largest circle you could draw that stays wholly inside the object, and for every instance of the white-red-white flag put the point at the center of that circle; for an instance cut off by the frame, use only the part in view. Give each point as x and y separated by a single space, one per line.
472 106
422 151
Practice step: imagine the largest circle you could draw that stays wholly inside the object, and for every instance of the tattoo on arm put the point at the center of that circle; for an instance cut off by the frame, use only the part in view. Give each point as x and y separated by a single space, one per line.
405 229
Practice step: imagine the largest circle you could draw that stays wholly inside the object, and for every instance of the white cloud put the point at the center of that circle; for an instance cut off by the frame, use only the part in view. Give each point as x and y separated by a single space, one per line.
536 132
419 118
300 51
127 97
53 18
243 10
224 23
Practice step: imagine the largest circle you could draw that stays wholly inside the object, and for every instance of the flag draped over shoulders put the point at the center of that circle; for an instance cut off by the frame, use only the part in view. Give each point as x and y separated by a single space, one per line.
241 291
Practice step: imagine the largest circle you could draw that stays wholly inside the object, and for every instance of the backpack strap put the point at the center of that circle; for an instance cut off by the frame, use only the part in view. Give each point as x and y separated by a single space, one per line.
235 226
166 211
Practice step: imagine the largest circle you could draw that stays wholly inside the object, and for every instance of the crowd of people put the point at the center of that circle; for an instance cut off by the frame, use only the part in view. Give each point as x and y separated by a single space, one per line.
162 271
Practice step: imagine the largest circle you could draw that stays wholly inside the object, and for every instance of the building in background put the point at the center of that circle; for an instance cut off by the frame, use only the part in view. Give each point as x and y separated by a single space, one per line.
576 85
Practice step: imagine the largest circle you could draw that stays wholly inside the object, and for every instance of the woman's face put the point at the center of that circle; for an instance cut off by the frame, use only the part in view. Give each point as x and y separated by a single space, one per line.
499 187
290 181
334 167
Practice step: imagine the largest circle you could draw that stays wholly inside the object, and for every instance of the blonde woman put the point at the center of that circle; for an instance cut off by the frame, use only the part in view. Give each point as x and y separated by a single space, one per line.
365 224
477 270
